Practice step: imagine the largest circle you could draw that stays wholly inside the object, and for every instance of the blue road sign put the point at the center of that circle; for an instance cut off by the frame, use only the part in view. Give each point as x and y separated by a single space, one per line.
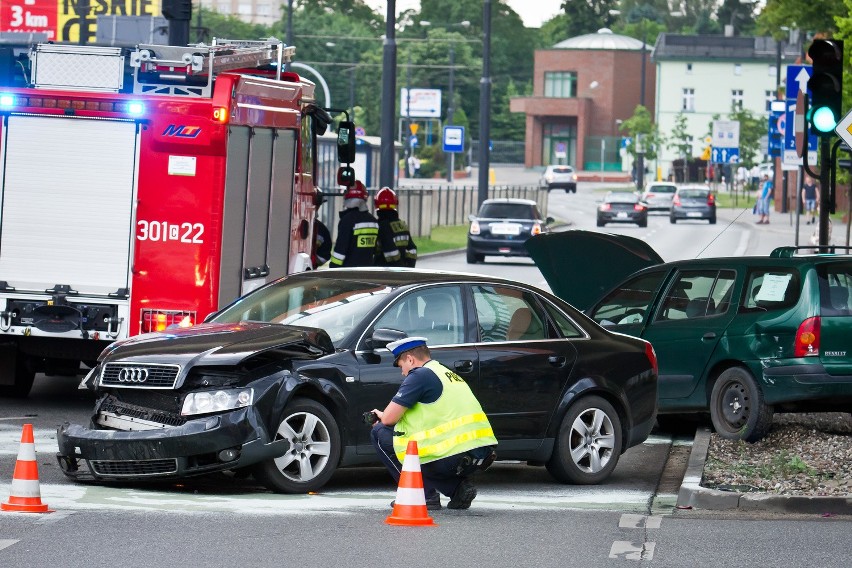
777 128
412 142
453 139
725 155
797 80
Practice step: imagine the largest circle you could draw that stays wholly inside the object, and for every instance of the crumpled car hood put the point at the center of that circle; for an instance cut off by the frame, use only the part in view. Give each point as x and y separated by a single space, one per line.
216 344
581 266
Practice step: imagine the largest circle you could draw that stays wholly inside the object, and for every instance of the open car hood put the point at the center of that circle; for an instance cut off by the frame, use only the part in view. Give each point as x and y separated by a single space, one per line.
582 266
217 344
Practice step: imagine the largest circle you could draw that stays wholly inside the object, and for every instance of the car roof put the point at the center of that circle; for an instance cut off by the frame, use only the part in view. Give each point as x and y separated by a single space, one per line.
397 277
510 200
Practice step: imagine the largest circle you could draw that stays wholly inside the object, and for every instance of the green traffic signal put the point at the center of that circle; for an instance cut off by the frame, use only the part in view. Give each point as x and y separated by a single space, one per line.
823 120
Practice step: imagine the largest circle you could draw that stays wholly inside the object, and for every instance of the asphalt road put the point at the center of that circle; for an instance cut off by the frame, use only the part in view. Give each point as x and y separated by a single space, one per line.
520 517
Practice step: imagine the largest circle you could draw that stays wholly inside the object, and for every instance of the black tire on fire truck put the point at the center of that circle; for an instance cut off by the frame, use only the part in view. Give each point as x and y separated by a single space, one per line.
313 454
24 376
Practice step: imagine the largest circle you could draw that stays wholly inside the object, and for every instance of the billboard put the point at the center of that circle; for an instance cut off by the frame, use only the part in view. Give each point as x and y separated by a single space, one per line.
72 21
424 103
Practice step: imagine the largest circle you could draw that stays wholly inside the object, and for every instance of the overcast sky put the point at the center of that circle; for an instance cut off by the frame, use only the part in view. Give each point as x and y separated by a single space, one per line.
532 12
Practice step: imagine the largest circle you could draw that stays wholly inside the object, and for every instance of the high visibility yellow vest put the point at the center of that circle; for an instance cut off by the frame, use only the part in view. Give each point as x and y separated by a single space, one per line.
453 424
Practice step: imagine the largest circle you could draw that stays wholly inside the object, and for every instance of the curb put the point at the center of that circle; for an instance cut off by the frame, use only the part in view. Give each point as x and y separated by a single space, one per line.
693 496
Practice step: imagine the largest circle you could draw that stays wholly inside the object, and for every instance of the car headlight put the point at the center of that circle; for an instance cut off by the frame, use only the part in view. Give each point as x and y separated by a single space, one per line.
204 402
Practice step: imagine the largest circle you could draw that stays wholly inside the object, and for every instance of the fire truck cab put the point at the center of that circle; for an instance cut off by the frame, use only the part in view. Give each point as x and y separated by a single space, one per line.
146 189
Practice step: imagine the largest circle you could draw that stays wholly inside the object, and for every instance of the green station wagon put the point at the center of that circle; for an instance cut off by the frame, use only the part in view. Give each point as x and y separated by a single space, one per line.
742 337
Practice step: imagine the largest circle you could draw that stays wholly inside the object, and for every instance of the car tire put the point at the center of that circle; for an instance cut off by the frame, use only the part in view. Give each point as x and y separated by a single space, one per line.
643 223
601 223
712 220
737 406
672 220
473 258
314 439
584 454
24 378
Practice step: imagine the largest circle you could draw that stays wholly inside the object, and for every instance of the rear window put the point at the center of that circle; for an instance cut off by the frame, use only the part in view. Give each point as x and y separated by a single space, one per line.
662 189
835 289
622 198
771 289
506 211
693 193
563 170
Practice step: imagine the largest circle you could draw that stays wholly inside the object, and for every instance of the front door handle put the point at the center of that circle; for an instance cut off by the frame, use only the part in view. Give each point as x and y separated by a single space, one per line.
556 360
463 366
708 336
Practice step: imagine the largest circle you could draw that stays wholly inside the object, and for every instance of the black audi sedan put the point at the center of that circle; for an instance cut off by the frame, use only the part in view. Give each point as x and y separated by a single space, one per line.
278 381
501 226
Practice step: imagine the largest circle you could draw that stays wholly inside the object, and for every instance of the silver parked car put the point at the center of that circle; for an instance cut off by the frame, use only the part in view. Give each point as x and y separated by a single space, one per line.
658 195
693 202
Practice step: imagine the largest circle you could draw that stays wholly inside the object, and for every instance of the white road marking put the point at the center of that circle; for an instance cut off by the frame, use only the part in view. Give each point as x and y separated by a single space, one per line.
7 543
626 550
631 521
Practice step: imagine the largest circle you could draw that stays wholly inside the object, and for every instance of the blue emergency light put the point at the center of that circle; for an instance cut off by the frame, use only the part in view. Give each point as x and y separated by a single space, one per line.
7 101
135 108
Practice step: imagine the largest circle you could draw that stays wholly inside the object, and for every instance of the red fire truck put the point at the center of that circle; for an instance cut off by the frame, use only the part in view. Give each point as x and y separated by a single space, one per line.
144 193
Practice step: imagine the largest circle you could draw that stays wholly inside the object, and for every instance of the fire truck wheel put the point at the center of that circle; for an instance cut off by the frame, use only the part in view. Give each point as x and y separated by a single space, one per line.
24 377
313 454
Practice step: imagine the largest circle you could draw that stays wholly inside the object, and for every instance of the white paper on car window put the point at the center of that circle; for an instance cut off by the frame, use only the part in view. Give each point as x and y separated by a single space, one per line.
773 288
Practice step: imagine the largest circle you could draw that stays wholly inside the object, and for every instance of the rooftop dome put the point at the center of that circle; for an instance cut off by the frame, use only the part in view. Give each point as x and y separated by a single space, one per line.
604 39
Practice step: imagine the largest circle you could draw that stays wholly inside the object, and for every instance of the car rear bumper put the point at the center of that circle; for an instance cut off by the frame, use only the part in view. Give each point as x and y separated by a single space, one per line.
629 217
679 213
497 247
571 185
191 449
806 383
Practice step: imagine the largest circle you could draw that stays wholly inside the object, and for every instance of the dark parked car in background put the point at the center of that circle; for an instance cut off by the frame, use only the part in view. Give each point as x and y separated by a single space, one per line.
622 207
739 337
559 177
501 226
693 202
278 381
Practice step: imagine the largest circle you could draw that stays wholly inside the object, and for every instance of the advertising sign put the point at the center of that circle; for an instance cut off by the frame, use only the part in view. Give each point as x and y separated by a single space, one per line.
423 103
66 20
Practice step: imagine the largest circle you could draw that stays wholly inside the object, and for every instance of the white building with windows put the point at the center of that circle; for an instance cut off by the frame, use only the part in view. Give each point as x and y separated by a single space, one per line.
265 12
703 76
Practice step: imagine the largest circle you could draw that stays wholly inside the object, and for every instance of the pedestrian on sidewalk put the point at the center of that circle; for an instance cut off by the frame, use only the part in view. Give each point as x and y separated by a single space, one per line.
763 200
810 196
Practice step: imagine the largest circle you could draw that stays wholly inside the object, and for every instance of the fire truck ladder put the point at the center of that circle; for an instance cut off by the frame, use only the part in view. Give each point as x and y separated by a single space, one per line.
190 70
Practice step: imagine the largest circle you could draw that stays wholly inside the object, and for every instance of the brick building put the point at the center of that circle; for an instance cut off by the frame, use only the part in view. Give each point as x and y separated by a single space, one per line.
583 88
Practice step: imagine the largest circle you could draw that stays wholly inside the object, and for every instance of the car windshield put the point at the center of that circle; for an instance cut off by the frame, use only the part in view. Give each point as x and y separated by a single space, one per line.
506 211
693 193
662 189
621 198
336 306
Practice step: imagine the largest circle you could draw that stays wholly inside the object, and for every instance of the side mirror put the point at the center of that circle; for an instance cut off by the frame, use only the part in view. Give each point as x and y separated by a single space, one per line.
383 335
345 176
550 220
346 142
471 217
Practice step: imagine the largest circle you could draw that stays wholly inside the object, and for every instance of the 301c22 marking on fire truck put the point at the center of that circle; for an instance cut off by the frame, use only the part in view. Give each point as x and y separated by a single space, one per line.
165 231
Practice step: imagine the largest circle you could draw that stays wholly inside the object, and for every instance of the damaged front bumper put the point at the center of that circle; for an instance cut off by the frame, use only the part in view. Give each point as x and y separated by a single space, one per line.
202 445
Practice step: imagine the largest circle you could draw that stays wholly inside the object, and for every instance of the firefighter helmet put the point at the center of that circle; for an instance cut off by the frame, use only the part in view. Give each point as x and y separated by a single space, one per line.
357 191
386 199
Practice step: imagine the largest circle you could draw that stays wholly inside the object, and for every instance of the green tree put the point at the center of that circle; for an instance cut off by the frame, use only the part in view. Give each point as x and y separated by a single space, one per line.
738 14
641 124
844 32
588 16
752 129
678 140
216 25
815 17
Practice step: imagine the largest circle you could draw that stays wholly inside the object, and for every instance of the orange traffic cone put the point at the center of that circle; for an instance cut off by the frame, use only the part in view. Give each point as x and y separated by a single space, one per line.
26 494
409 509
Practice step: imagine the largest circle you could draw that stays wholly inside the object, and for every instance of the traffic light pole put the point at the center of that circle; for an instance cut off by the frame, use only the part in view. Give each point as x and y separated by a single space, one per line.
826 167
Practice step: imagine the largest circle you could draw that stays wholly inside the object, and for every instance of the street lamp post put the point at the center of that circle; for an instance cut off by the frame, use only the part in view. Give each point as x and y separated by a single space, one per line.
387 165
450 112
485 103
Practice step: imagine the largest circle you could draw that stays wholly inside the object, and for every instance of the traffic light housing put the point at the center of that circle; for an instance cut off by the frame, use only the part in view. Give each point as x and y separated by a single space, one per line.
826 86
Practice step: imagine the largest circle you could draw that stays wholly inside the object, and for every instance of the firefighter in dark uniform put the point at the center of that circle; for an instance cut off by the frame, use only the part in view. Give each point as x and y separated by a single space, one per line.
357 231
322 238
396 247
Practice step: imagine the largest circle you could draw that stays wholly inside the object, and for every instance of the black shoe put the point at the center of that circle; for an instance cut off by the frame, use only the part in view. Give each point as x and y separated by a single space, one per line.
432 504
464 495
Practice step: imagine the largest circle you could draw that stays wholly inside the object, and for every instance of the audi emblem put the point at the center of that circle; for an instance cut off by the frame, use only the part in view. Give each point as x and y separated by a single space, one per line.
133 375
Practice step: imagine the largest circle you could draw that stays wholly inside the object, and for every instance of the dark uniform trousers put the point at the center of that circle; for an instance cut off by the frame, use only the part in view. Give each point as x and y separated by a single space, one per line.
439 475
